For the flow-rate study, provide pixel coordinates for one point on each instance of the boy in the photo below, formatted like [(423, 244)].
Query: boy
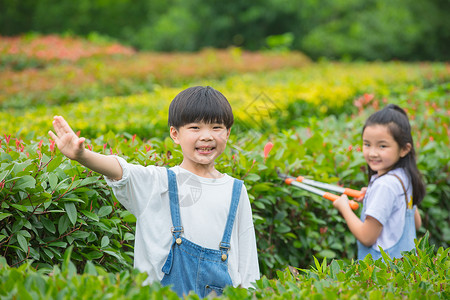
[(194, 227)]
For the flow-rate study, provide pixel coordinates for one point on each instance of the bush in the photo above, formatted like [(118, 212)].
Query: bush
[(420, 274)]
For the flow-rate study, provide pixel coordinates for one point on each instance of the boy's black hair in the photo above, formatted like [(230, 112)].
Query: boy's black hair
[(397, 122), (200, 104)]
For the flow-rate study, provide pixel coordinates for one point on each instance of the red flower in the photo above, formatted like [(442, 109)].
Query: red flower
[(267, 149), (18, 144), (368, 97), (52, 145)]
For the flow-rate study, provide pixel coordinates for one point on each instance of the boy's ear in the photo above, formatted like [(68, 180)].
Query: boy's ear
[(405, 150), (174, 134)]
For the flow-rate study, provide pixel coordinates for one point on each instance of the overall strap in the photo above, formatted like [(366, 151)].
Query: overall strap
[(403, 186), (177, 229), (236, 194)]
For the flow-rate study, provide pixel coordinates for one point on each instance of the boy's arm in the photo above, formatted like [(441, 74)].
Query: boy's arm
[(366, 232), (73, 147)]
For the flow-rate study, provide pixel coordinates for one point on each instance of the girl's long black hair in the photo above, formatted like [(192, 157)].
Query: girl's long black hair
[(396, 120)]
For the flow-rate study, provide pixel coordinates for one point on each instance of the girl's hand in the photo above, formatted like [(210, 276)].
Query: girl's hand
[(67, 141), (341, 203), (360, 199)]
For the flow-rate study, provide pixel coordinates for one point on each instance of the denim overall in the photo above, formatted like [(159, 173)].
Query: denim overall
[(406, 241), (190, 267)]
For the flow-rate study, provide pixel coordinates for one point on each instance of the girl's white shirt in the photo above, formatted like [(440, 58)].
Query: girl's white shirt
[(204, 206), (385, 201)]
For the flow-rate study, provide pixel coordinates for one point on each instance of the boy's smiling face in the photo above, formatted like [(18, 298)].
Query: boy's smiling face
[(201, 143)]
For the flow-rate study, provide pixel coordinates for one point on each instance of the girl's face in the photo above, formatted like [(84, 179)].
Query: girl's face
[(380, 150)]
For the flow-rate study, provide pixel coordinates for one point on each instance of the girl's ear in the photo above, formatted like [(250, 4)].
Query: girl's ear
[(405, 150), (174, 134)]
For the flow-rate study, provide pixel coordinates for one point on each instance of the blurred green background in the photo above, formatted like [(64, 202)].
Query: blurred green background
[(331, 29)]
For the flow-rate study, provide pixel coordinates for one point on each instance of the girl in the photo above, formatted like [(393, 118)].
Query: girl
[(389, 218)]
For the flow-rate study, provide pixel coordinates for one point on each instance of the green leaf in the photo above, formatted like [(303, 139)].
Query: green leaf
[(66, 258), (24, 182), (282, 228), (4, 174), (128, 236), (90, 215), (252, 177), (54, 163), (327, 254), (68, 199), (48, 253), (94, 255), (63, 224), (52, 180), (104, 242), (80, 234), (261, 187), (128, 217), (385, 256), (88, 180), (22, 243), (71, 212), (4, 215), (104, 211), (58, 244), (90, 269)]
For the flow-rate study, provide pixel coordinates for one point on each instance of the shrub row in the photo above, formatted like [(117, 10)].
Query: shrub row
[(37, 70), (283, 98), (418, 275)]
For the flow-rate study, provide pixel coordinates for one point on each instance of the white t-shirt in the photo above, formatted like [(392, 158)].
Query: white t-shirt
[(385, 202), (204, 207)]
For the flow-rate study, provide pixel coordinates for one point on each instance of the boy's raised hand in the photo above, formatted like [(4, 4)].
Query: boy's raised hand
[(66, 140)]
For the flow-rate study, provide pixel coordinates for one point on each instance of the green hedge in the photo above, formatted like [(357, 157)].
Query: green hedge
[(421, 274)]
